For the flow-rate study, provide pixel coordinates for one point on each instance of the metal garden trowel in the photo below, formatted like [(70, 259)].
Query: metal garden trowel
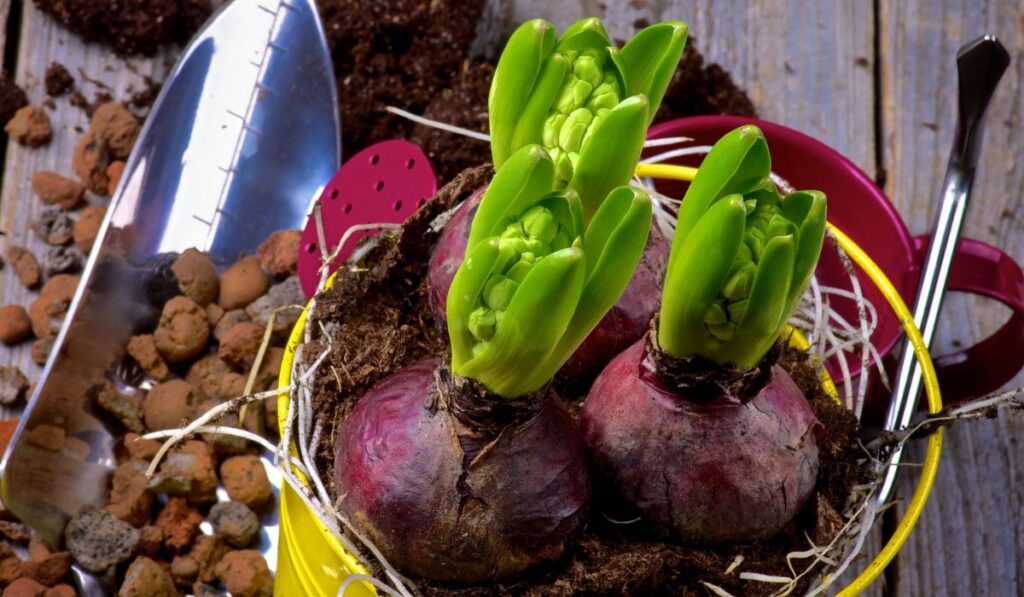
[(241, 139)]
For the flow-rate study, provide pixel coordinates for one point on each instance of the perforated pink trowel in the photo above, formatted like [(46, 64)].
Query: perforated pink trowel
[(384, 183)]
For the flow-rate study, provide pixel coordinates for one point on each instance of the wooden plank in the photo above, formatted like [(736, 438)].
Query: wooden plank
[(43, 41), (970, 539)]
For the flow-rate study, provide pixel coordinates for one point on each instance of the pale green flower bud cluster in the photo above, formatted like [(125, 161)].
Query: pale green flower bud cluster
[(742, 256), (532, 236), (764, 222), (587, 95), (584, 101)]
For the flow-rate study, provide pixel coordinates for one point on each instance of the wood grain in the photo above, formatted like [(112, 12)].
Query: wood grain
[(43, 41), (970, 540)]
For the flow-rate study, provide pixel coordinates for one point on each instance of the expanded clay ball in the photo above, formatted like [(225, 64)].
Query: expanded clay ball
[(25, 587), (227, 321), (15, 324), (111, 135), (143, 349), (279, 254), (146, 578), (193, 464), (48, 569), (245, 574), (151, 539), (183, 330), (55, 189), (130, 500), (169, 405), (207, 374), (246, 480), (242, 283), (123, 407), (207, 551), (235, 522), (47, 312), (184, 570), (239, 345), (87, 226), (114, 172), (30, 126), (41, 350), (25, 266), (139, 448), (197, 277), (179, 522)]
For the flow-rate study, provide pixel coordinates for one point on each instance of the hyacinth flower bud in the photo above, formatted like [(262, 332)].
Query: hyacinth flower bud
[(741, 257), (587, 103)]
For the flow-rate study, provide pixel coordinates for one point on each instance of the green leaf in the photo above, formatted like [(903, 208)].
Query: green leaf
[(651, 58), (511, 363), (811, 221), (610, 152), (528, 175), (566, 207), (738, 163), (619, 69), (766, 311), (614, 244), (530, 128), (695, 275), (463, 295), (585, 34), (621, 203), (514, 79)]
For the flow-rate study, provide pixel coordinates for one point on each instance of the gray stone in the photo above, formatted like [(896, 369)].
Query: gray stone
[(98, 540), (228, 321), (286, 293), (170, 483), (126, 409), (63, 260), (54, 226), (13, 385), (235, 523)]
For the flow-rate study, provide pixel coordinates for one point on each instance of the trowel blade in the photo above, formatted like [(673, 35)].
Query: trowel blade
[(242, 137)]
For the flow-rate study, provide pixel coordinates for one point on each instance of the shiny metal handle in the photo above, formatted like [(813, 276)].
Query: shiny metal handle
[(980, 65)]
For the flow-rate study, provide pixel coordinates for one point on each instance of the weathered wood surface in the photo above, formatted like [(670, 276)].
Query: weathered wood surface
[(970, 540), (41, 42), (809, 65)]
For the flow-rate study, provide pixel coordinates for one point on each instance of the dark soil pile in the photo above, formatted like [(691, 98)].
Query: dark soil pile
[(463, 104), (58, 80), (405, 53), (130, 26), (379, 321), (410, 54), (700, 88)]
